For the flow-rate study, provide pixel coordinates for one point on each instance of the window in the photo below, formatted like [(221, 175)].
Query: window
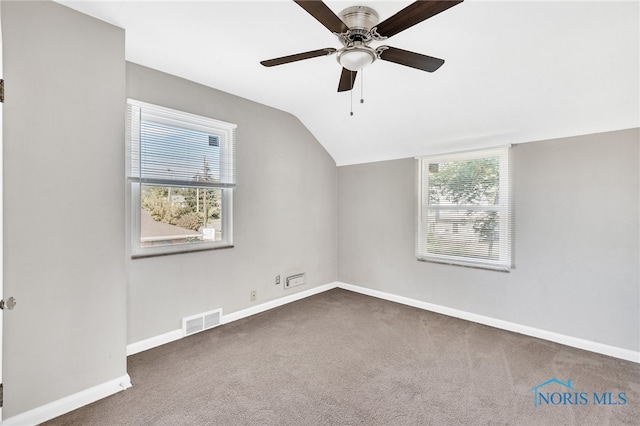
[(181, 173), (465, 209)]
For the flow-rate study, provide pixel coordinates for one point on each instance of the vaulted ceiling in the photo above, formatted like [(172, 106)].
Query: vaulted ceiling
[(514, 71)]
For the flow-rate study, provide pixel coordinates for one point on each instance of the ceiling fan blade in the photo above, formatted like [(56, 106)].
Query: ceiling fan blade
[(413, 14), (324, 15), (411, 59), (298, 57), (347, 79)]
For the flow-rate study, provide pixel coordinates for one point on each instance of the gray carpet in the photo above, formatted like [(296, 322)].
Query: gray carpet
[(341, 358)]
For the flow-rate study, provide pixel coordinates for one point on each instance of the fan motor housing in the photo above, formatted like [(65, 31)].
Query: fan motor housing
[(359, 18)]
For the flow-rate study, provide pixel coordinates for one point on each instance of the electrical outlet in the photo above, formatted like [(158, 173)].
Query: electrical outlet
[(277, 279), (253, 295)]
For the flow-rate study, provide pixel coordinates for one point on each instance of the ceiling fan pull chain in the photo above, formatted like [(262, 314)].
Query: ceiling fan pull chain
[(351, 94), (361, 85)]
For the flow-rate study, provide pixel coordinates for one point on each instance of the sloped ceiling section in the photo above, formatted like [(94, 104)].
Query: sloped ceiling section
[(514, 72)]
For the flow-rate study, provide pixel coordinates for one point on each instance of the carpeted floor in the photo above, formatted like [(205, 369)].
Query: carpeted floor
[(342, 358)]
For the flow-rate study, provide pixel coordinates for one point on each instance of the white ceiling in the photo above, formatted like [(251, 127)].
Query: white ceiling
[(514, 72)]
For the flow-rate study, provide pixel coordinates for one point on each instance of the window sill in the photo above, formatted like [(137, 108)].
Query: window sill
[(494, 268), (174, 252)]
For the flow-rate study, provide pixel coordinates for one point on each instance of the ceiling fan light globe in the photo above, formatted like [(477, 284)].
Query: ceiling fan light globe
[(356, 59)]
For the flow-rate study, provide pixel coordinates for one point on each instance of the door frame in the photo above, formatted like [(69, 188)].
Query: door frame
[(1, 215)]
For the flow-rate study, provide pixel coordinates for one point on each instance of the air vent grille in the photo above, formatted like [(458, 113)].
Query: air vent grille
[(193, 326), (211, 320), (201, 322)]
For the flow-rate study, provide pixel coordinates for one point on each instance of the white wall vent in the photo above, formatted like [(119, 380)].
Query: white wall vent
[(201, 322), (295, 279)]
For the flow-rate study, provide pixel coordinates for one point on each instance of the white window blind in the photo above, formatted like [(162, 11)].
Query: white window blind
[(173, 147), (465, 209)]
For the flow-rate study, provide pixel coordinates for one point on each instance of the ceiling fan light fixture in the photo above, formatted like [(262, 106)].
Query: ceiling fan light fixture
[(356, 58)]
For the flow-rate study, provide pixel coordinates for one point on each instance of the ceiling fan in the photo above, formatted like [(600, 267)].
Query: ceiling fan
[(357, 26)]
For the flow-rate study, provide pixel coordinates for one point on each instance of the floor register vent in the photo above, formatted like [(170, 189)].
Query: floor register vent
[(201, 322)]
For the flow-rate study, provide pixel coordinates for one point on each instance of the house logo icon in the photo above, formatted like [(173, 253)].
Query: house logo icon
[(561, 393), (537, 394)]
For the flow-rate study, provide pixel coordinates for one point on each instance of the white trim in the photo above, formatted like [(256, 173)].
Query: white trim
[(466, 154), (139, 112), (1, 209), (449, 149), (153, 342), (277, 302), (202, 121), (551, 336), (70, 403), (174, 335), (504, 209)]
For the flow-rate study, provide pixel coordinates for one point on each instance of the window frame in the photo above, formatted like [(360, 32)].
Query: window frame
[(505, 261), (225, 133)]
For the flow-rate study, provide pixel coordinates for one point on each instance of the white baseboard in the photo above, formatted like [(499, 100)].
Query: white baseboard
[(152, 342), (575, 342), (69, 403), (551, 336), (234, 316)]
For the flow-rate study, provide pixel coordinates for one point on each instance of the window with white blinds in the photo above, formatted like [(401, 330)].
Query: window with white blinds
[(181, 171), (465, 209)]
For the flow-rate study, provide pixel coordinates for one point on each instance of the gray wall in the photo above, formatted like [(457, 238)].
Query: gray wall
[(285, 214), (63, 203), (577, 240)]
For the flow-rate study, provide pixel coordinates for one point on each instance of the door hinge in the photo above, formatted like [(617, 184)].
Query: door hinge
[(1, 395), (1, 94)]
